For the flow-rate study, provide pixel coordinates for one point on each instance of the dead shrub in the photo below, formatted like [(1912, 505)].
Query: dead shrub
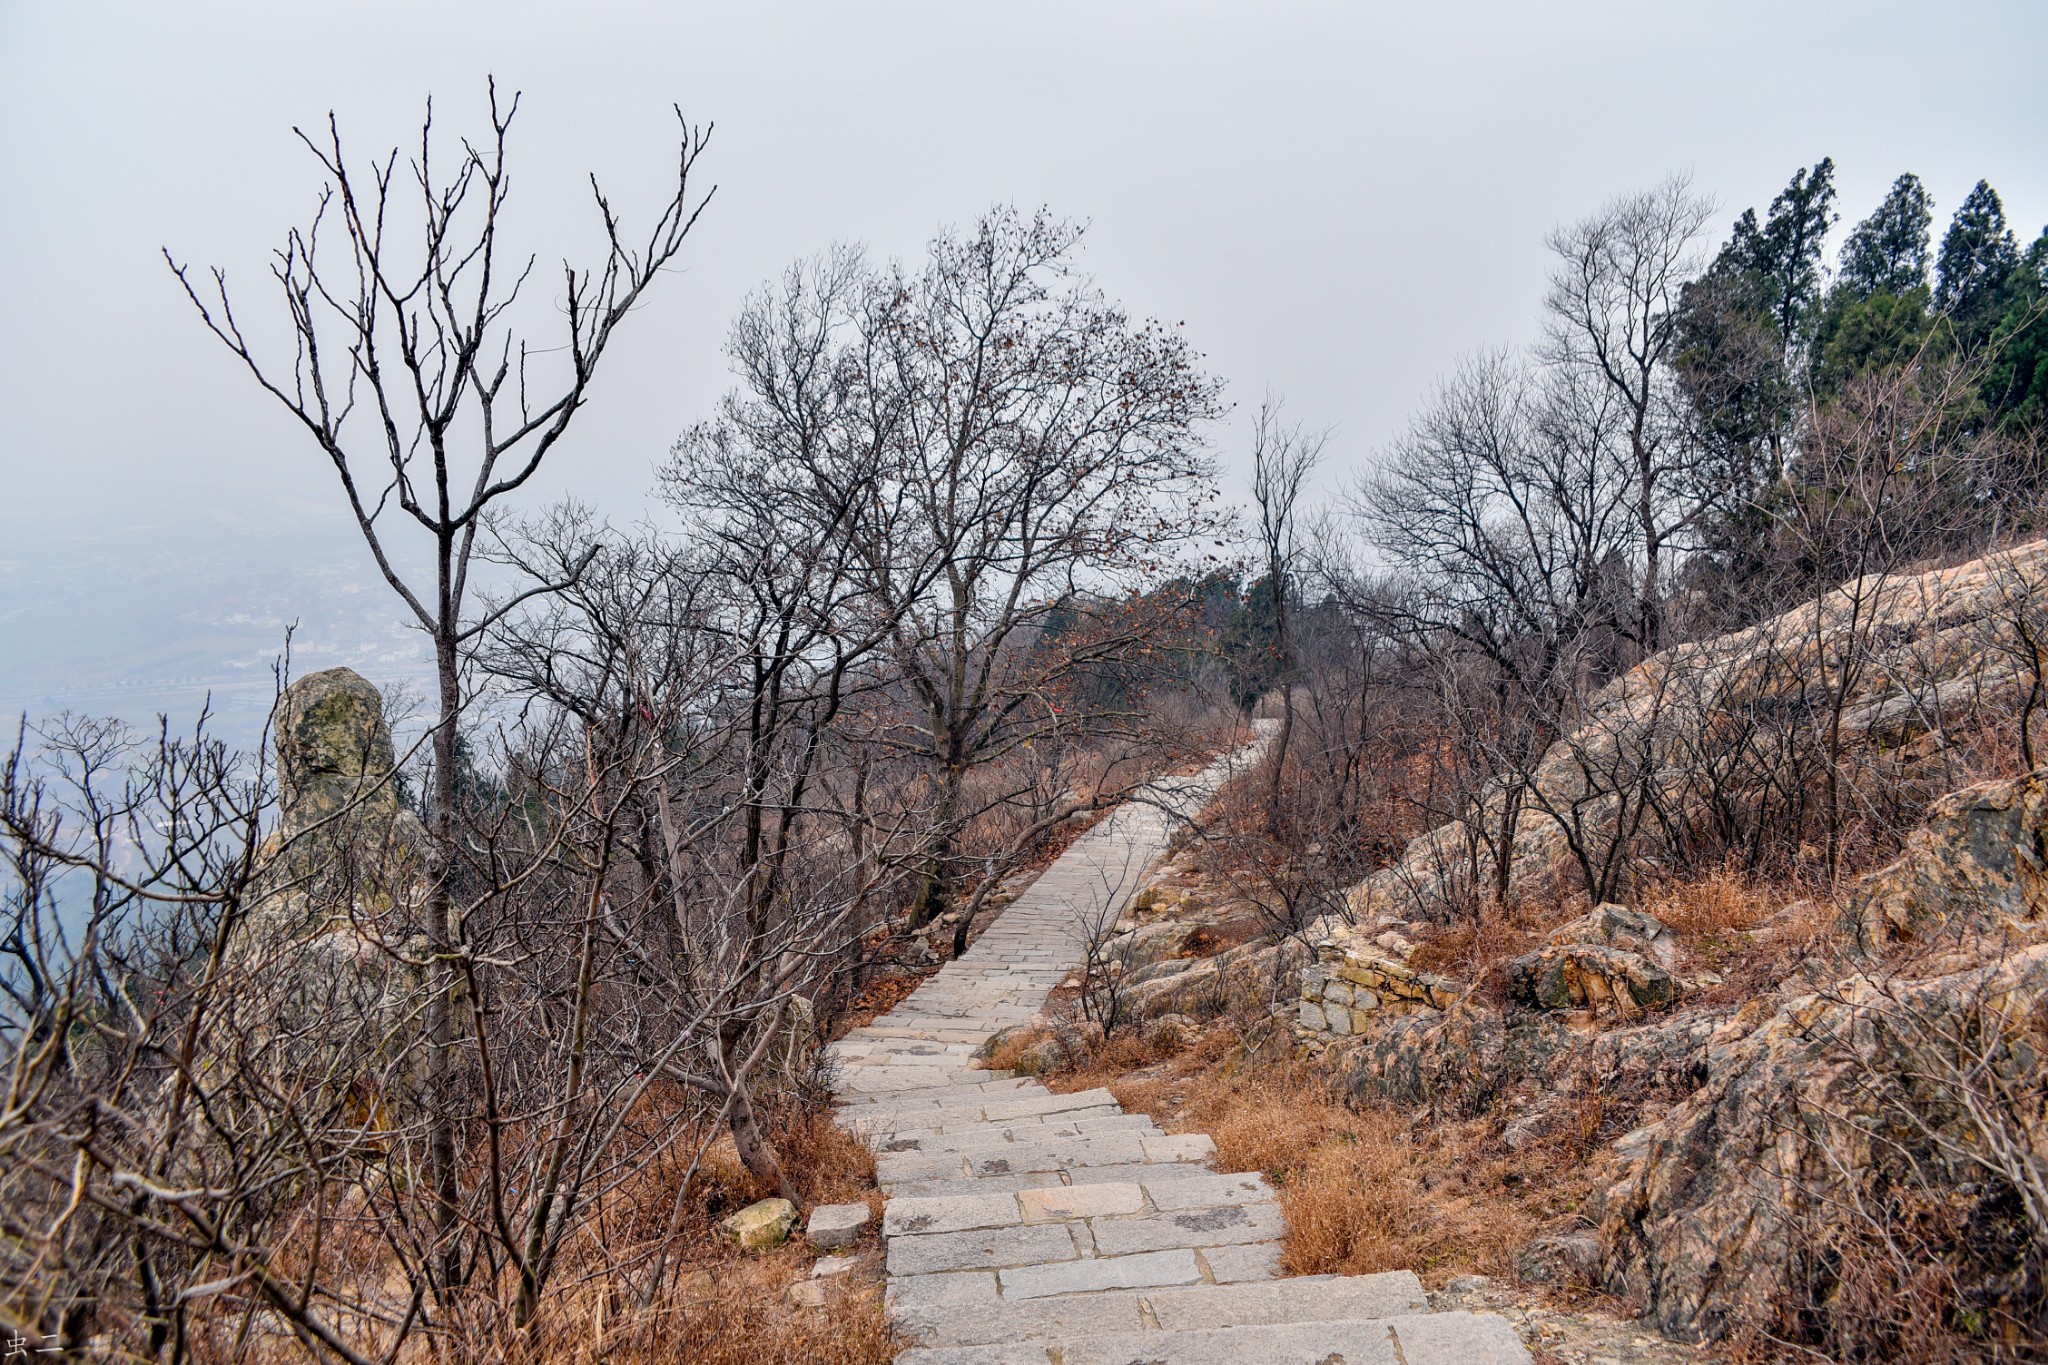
[(1469, 949)]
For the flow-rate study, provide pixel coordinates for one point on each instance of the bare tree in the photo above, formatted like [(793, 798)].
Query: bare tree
[(1510, 525), (1614, 317), (1003, 455), (411, 378), (1284, 456)]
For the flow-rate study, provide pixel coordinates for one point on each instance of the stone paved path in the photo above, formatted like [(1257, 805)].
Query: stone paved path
[(1028, 1228)]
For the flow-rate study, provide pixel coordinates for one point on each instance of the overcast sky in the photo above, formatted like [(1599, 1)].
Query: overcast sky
[(1337, 200)]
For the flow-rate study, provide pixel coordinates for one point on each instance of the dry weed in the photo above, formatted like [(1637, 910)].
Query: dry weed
[(1469, 950), (1362, 1191)]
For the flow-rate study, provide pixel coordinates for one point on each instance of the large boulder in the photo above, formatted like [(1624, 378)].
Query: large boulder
[(761, 1225), (1615, 962), (333, 747), (1243, 979), (1979, 861), (348, 875), (1875, 1099), (1444, 1063)]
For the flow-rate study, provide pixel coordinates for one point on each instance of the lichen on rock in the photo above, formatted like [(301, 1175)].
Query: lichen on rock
[(333, 747), (1978, 859)]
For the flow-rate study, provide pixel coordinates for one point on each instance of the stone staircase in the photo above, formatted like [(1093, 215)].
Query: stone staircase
[(1028, 1228)]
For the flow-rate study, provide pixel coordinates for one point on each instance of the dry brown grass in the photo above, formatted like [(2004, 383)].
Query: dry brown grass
[(1363, 1191), (733, 1311), (1469, 950), (726, 1306), (1722, 903), (718, 1305)]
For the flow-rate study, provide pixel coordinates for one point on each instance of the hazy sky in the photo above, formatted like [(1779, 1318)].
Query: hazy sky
[(1338, 200)]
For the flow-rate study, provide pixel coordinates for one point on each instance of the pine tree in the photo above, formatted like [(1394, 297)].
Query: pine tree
[(2016, 385), (1887, 252), (1741, 323), (1979, 257), (1782, 255)]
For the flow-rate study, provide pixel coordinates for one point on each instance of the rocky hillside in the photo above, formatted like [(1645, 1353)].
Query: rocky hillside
[(1820, 1121), (1711, 742)]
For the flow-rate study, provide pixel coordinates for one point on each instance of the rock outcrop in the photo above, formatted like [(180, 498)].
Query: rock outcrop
[(1615, 962), (338, 926), (333, 748), (1842, 1111), (1912, 1089), (1979, 859)]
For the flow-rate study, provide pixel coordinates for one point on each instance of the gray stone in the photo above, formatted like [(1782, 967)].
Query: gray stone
[(836, 1225), (1014, 1353), (1113, 1272), (1205, 1190), (959, 1213), (1237, 1264), (1081, 1201), (980, 1249), (1310, 1298), (1225, 1226), (1100, 1150), (1307, 1343), (968, 1184), (1067, 1315), (1180, 1147), (1143, 1172), (970, 1288), (1458, 1339)]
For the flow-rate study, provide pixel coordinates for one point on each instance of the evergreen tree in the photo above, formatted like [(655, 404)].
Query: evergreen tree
[(2016, 385), (1782, 255), (1739, 325), (1979, 257), (1249, 642), (1871, 332), (1887, 252)]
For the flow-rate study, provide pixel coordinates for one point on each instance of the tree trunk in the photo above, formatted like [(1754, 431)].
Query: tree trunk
[(937, 887), (1280, 760), (441, 977), (756, 1152)]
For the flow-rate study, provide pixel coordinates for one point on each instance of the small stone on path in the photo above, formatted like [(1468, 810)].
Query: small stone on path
[(836, 1225)]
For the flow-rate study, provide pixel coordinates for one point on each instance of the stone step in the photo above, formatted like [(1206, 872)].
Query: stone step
[(1033, 1259), (1408, 1339), (878, 1135), (1147, 1173), (1034, 1132), (958, 1057), (886, 1083), (996, 1109), (936, 1320), (1190, 1197), (947, 1095), (1105, 1149)]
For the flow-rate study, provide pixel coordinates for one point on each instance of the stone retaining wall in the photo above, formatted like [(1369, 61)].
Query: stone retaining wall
[(1351, 984)]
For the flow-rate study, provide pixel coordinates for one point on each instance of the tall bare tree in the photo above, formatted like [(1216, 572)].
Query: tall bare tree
[(1023, 454), (1614, 306), (1284, 456), (409, 372)]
